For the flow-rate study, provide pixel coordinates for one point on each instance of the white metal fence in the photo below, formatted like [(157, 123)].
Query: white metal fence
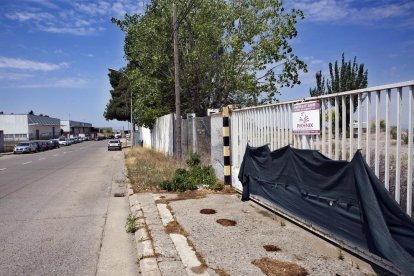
[(379, 123)]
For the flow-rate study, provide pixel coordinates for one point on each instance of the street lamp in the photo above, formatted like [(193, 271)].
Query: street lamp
[(130, 96)]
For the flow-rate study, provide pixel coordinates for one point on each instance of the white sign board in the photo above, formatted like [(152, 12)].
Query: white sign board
[(305, 118)]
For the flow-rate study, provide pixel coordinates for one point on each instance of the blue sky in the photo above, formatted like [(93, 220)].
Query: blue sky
[(54, 54)]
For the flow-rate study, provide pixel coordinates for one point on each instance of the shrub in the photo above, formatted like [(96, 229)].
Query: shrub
[(197, 174), (393, 132), (131, 224)]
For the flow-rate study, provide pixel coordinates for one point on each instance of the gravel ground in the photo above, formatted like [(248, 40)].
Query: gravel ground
[(233, 248)]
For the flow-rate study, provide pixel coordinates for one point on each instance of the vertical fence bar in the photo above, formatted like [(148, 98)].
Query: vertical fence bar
[(274, 124), (323, 126), (387, 139), (351, 126), (398, 153), (410, 150), (377, 130), (336, 128), (343, 128), (286, 125), (359, 121), (290, 125), (368, 133), (329, 129), (279, 131)]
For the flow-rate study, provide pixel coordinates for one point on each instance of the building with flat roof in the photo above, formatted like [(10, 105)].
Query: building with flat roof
[(20, 127), (75, 128)]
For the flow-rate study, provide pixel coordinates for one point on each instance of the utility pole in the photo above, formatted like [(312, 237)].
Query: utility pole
[(177, 87)]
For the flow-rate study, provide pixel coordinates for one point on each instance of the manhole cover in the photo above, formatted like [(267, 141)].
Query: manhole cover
[(226, 222), (208, 211)]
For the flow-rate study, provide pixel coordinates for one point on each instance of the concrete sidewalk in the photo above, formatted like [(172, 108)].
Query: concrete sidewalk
[(199, 245)]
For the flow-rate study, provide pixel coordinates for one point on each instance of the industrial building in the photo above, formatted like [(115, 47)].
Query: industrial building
[(20, 127), (74, 128)]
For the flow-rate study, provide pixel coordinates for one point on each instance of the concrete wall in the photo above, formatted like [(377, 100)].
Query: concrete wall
[(1, 141), (45, 132), (216, 123), (195, 138), (146, 137), (162, 135), (14, 124)]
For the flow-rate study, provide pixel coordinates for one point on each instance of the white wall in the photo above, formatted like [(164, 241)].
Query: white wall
[(217, 158), (14, 124), (162, 135), (146, 137), (45, 132)]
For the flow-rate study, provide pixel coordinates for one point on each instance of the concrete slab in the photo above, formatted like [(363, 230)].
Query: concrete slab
[(165, 214), (187, 254)]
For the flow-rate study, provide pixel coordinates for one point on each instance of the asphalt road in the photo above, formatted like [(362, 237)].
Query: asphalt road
[(53, 209)]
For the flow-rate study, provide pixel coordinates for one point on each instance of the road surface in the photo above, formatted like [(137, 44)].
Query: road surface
[(54, 208)]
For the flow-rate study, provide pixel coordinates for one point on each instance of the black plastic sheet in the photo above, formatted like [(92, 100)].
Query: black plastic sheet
[(346, 199)]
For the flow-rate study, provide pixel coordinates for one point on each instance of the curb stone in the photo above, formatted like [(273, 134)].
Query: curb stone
[(145, 251)]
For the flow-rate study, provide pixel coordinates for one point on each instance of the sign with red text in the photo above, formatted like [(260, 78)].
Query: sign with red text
[(306, 118)]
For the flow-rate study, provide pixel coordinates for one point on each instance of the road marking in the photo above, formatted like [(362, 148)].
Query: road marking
[(27, 163), (41, 159), (2, 169)]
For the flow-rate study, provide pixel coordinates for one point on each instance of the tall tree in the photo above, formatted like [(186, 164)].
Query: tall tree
[(118, 107), (349, 76), (231, 52)]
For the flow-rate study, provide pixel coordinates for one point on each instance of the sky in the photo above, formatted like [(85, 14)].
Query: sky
[(55, 54)]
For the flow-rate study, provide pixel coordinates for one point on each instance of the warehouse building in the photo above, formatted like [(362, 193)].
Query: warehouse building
[(74, 128), (20, 127)]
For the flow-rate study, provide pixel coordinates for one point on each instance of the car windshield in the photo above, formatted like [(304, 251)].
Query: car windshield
[(113, 141), (62, 139), (23, 144)]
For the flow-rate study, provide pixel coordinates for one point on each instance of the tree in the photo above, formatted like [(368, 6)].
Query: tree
[(118, 107), (231, 52), (350, 76), (30, 112)]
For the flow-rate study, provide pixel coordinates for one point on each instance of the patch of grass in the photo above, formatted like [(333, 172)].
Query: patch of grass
[(146, 168), (341, 252), (131, 224), (174, 228), (271, 267), (191, 178)]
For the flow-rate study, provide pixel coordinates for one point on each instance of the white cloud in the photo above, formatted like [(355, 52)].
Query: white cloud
[(57, 83), (14, 76), (25, 64), (353, 11), (30, 16), (70, 30)]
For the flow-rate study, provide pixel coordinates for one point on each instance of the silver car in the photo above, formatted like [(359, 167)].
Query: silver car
[(24, 147)]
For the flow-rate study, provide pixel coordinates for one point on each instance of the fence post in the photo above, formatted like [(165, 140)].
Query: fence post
[(226, 145)]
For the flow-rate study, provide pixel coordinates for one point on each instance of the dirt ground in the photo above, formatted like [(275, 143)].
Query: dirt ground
[(257, 242)]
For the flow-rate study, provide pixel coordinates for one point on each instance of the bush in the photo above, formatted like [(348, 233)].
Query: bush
[(197, 174), (393, 132)]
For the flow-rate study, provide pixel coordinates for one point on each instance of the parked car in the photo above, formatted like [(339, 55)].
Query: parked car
[(43, 145), (114, 144), (53, 144), (25, 147), (37, 145), (63, 141)]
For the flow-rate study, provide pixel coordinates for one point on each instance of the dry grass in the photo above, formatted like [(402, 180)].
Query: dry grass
[(272, 267), (147, 169), (174, 228)]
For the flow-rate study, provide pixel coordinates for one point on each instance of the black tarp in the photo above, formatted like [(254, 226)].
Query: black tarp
[(346, 199)]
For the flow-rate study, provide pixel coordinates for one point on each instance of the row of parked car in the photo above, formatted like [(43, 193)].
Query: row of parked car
[(42, 145)]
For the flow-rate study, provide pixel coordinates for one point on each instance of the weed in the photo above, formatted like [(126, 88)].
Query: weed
[(131, 224), (341, 252), (282, 223)]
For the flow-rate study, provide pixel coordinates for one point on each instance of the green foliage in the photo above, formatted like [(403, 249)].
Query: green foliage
[(197, 174), (193, 160), (349, 76), (131, 224), (393, 132), (382, 125), (231, 52), (118, 107)]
